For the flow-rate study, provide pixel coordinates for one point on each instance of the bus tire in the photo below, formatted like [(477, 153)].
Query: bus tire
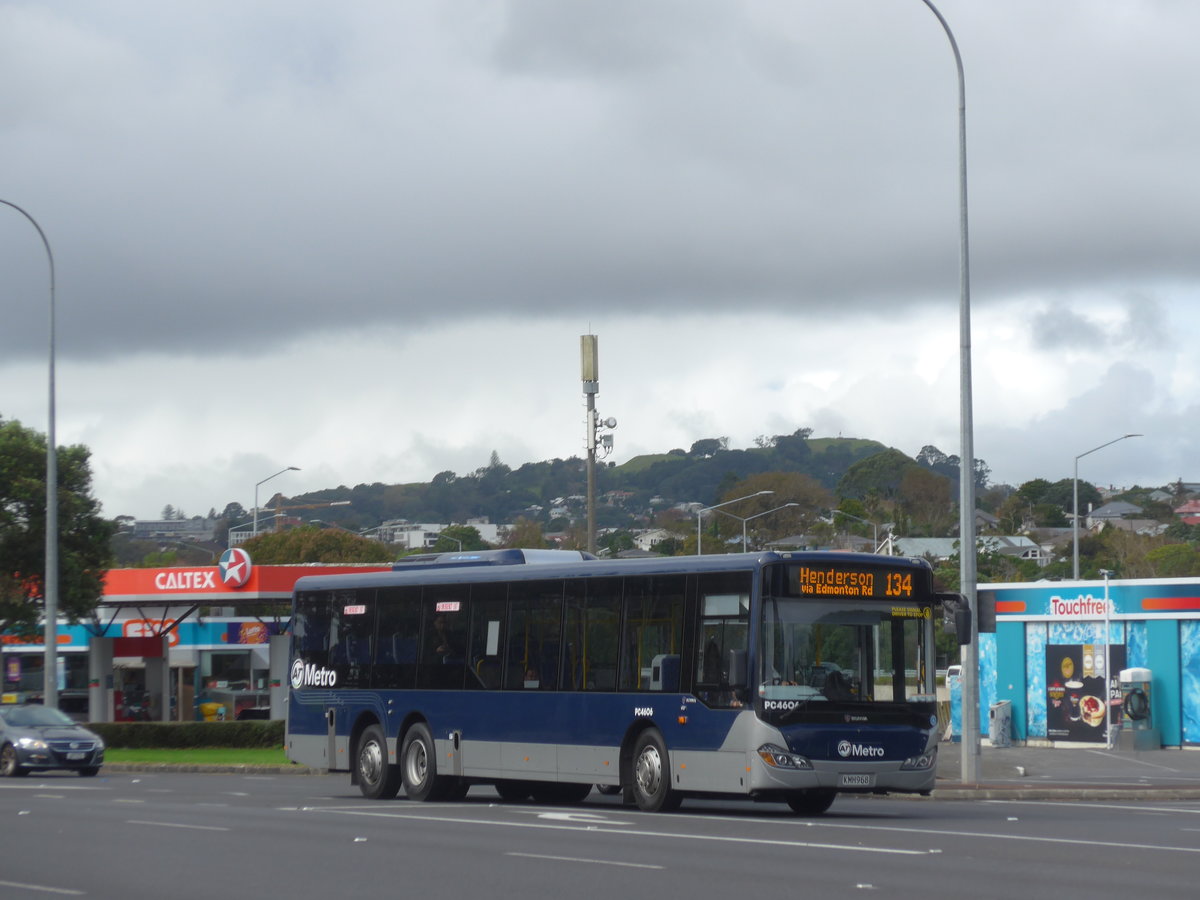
[(418, 761), (376, 778), (609, 790), (811, 803), (652, 789)]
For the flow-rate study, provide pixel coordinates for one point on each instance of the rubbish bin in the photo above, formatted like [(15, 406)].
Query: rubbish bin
[(1000, 723)]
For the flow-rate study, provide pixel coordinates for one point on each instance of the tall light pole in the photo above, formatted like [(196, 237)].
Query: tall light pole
[(50, 579), (264, 481), (1075, 503), (745, 519), (842, 512), (966, 517), (700, 512), (450, 537), (1108, 729)]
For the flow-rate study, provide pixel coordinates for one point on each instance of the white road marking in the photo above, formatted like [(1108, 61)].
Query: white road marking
[(762, 842), (44, 888), (178, 825), (586, 818), (580, 859)]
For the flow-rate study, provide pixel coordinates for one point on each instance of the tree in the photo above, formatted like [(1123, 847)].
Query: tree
[(525, 534), (925, 498), (310, 544), (787, 487), (459, 537), (83, 542), (881, 473), (709, 447)]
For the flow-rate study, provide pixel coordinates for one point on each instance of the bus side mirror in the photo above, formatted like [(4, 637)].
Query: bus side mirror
[(736, 676), (958, 616)]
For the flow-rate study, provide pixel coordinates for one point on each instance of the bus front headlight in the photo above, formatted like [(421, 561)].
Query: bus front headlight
[(915, 763), (778, 758)]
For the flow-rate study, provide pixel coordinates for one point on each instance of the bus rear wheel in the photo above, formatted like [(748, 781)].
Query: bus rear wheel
[(376, 778), (652, 774), (811, 803), (419, 765)]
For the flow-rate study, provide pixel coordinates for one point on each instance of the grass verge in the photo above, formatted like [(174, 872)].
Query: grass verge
[(199, 756)]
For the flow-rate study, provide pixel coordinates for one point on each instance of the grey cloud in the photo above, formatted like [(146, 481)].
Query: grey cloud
[(236, 182)]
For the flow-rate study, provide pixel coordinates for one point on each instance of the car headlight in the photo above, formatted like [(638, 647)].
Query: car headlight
[(28, 743), (924, 761), (99, 743), (778, 758)]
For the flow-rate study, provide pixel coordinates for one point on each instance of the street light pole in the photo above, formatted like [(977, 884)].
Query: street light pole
[(842, 512), (1075, 503), (746, 519), (700, 512), (966, 518), (264, 481), (50, 579), (450, 537), (1108, 729)]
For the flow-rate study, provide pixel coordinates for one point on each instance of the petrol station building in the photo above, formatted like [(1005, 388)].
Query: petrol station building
[(1058, 651), (173, 644)]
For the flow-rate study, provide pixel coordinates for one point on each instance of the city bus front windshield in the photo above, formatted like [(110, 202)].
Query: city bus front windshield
[(837, 651)]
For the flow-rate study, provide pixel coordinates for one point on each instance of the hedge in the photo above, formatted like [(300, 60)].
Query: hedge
[(180, 735)]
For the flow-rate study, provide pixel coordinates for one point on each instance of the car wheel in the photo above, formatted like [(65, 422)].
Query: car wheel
[(9, 767), (89, 771)]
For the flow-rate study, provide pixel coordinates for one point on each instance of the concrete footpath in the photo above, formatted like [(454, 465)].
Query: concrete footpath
[(1070, 773)]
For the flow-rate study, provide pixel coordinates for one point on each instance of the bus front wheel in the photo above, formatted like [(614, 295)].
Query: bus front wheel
[(419, 764), (811, 803), (652, 774), (376, 779)]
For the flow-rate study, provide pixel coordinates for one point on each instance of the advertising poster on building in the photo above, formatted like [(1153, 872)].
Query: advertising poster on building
[(1080, 694)]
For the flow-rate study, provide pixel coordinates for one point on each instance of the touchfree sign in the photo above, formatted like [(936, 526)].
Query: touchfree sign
[(1079, 607)]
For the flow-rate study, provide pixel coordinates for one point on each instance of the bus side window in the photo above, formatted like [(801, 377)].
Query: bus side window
[(593, 635), (724, 626), (534, 641), (444, 641), (653, 627), (489, 607), (399, 631)]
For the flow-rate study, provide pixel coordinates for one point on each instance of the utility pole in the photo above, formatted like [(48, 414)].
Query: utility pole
[(590, 368)]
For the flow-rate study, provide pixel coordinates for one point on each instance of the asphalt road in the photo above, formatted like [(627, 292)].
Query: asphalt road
[(185, 835)]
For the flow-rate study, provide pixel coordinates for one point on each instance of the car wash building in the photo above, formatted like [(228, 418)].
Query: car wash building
[(172, 644), (1068, 661)]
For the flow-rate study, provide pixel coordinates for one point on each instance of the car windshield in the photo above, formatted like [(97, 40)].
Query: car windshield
[(26, 716)]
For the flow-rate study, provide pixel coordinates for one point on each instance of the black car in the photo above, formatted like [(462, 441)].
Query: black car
[(40, 737)]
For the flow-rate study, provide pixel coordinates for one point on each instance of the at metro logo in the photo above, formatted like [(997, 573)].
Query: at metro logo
[(193, 580)]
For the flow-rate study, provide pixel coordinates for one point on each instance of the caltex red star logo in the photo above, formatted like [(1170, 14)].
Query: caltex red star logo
[(235, 567)]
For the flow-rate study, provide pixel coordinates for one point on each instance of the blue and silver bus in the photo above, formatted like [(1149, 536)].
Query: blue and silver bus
[(777, 676)]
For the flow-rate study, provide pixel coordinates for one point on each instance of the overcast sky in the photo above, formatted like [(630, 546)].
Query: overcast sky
[(364, 238)]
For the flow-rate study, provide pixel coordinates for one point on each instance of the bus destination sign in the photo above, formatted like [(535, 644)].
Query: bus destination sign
[(848, 580)]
